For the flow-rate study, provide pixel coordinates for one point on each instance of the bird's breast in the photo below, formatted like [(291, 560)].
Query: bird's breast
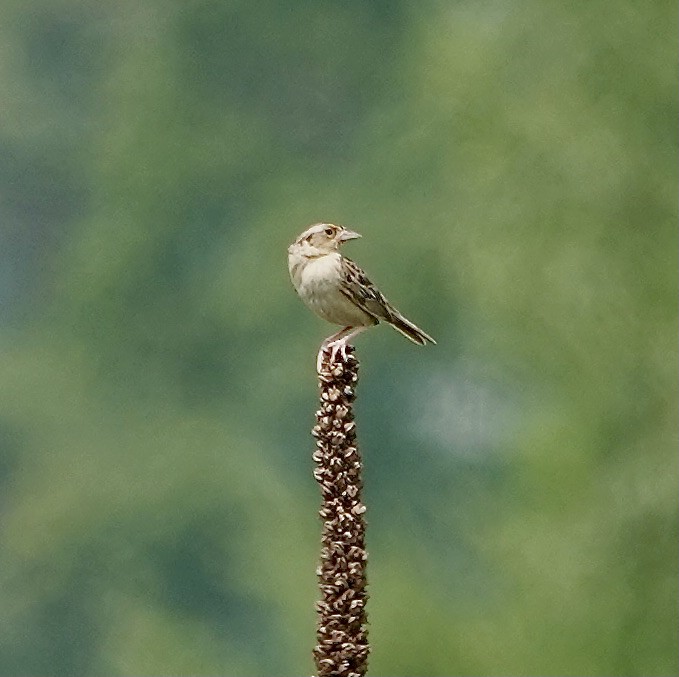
[(322, 273), (318, 282)]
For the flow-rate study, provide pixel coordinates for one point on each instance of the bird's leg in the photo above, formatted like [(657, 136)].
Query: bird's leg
[(335, 337), (339, 344), (328, 342)]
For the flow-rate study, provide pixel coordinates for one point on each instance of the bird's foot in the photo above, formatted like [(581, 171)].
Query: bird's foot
[(332, 348), (331, 342), (338, 347), (337, 343), (319, 360)]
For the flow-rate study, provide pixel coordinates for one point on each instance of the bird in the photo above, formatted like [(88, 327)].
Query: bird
[(338, 290)]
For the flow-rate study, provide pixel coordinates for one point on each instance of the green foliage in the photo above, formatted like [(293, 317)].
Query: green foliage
[(513, 171)]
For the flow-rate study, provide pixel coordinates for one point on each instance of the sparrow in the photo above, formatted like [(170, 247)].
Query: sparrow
[(337, 290)]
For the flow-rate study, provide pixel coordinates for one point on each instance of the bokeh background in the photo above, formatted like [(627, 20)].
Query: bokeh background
[(512, 168)]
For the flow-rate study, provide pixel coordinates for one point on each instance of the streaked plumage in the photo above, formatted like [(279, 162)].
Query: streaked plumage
[(337, 290)]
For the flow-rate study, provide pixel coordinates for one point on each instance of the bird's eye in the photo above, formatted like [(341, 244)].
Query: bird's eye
[(329, 232)]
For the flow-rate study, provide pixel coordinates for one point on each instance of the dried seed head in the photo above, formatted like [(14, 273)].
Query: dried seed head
[(342, 645)]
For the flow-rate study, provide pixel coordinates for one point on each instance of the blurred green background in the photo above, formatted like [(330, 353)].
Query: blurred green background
[(512, 168)]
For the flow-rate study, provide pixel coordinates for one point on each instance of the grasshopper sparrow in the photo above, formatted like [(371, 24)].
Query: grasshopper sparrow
[(337, 290)]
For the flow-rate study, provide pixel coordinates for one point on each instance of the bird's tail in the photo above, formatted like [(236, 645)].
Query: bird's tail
[(408, 329)]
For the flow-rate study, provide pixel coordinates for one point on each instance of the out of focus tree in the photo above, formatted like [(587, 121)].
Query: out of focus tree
[(512, 168)]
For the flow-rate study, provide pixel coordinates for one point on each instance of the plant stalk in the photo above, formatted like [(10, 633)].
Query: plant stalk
[(342, 644)]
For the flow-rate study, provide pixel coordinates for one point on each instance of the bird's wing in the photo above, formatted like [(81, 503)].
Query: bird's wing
[(356, 286)]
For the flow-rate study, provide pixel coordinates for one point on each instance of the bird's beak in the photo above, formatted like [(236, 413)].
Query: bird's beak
[(346, 235)]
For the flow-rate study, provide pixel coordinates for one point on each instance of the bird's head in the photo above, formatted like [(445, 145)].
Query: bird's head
[(321, 239)]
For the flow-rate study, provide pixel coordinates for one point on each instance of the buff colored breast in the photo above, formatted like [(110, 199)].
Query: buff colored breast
[(318, 281)]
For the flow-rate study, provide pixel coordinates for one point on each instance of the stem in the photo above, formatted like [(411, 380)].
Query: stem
[(342, 645)]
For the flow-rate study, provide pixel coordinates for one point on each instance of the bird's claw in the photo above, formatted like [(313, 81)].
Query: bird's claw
[(338, 346)]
